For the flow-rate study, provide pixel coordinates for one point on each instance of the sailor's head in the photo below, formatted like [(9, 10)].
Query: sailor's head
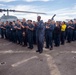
[(38, 18), (29, 21), (23, 20), (49, 21)]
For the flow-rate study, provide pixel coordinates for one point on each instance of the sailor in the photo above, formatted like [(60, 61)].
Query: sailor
[(24, 32), (40, 30), (70, 28), (19, 32), (49, 35), (30, 28), (34, 33), (14, 32), (57, 32), (63, 31), (75, 30), (7, 30), (2, 29)]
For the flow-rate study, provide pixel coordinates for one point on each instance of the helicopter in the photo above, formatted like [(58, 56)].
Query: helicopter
[(8, 17), (14, 18)]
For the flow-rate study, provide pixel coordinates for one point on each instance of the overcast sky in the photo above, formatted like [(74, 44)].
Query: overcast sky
[(64, 9)]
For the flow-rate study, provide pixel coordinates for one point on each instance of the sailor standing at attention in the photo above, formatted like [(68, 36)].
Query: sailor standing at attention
[(40, 34)]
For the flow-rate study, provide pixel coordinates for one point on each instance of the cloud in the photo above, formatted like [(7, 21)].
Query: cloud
[(25, 8), (22, 7), (64, 13), (32, 8), (1, 5), (37, 0), (7, 0), (61, 14), (25, 0)]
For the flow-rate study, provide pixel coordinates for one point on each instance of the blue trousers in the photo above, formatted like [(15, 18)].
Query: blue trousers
[(75, 35), (49, 40), (57, 39), (30, 40), (69, 36), (62, 37), (19, 36), (40, 42)]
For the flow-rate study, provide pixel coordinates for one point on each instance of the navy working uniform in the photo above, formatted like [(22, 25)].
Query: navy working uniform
[(57, 32), (11, 32), (30, 35), (70, 28), (40, 35), (34, 35), (2, 30), (75, 32), (14, 33), (24, 34), (8, 31), (49, 36), (19, 34)]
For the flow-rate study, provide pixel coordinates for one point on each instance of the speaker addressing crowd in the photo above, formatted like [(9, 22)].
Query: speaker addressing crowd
[(27, 33)]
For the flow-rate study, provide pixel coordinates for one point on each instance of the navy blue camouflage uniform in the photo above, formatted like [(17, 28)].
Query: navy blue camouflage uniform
[(24, 34), (49, 36), (40, 30), (19, 34), (70, 32), (30, 35)]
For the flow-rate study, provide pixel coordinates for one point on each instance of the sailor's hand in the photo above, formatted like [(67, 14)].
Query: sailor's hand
[(11, 28), (23, 26), (47, 27), (27, 27), (15, 26)]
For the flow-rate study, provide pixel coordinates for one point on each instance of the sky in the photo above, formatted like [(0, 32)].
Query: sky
[(64, 9)]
